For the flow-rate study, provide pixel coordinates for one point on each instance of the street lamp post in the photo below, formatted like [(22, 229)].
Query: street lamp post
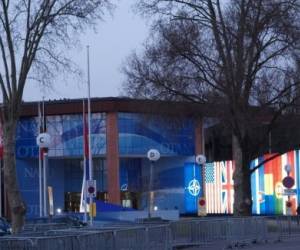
[(201, 160), (288, 182), (43, 141), (153, 155)]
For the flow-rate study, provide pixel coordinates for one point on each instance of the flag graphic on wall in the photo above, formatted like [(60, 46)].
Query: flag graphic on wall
[(266, 185), (227, 186), (193, 189), (219, 187)]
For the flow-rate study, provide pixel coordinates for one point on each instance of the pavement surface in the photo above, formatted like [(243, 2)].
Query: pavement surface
[(291, 243)]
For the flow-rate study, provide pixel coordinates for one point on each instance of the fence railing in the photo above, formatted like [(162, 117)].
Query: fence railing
[(163, 236), (283, 226)]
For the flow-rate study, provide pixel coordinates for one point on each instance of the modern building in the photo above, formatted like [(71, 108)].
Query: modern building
[(122, 131)]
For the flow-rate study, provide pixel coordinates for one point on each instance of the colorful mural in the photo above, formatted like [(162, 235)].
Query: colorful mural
[(266, 182), (267, 189)]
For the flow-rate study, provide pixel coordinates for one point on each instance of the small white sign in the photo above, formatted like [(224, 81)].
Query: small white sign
[(200, 159), (91, 190), (153, 155), (43, 140), (202, 206), (289, 192)]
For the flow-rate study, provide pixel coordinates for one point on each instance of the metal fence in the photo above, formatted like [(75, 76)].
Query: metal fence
[(283, 226), (232, 231), (164, 236)]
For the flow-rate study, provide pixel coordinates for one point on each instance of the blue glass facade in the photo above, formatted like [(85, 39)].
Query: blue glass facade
[(66, 142), (66, 136), (138, 133), (175, 174), (170, 135), (175, 140), (130, 174)]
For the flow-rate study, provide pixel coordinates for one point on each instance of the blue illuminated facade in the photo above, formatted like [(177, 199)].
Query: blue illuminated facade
[(170, 135), (122, 132), (174, 137)]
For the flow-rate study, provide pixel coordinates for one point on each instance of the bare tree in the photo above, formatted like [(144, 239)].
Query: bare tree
[(237, 54), (31, 35)]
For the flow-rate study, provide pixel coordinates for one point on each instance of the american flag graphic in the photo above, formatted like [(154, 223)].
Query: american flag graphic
[(213, 188)]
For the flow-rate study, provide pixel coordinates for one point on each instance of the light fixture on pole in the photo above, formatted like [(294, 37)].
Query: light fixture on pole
[(288, 169), (201, 160), (153, 155), (43, 140)]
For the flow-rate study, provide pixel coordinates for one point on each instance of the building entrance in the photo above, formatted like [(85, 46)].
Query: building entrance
[(73, 199), (129, 199)]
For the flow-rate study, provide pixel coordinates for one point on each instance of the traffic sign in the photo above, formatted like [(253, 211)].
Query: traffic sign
[(202, 202), (289, 191), (201, 206), (288, 182), (91, 190), (288, 204)]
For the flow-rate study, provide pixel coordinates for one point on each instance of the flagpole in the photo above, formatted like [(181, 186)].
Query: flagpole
[(45, 163), (84, 164), (89, 128), (40, 164)]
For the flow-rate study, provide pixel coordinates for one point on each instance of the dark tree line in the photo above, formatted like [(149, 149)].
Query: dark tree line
[(240, 55)]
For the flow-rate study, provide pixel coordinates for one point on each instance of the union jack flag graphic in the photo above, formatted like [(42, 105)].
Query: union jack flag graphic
[(227, 186)]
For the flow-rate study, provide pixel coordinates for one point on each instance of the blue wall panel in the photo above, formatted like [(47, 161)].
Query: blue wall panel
[(56, 180), (171, 178), (27, 172), (192, 187), (138, 133), (130, 174), (66, 136)]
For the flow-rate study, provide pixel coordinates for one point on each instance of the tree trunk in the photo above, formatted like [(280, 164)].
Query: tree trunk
[(16, 204), (242, 180)]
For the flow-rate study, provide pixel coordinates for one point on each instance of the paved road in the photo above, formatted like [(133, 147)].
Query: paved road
[(292, 243)]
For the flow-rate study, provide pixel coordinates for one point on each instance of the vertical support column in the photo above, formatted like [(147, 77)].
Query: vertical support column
[(199, 137), (112, 157)]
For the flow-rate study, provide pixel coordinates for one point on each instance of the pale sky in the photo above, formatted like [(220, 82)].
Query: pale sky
[(115, 39)]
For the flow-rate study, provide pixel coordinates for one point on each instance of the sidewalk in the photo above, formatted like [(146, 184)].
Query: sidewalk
[(292, 243)]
